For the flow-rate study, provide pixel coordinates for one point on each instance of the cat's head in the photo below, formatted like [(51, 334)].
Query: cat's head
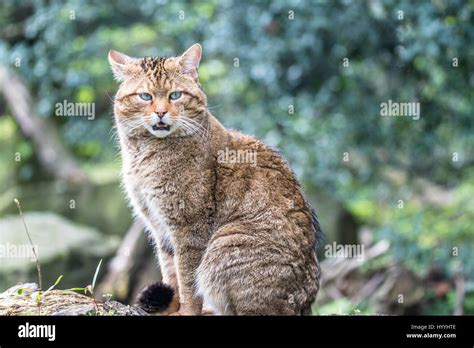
[(159, 96)]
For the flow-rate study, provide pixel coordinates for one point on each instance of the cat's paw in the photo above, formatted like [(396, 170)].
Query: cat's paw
[(183, 311), (179, 313), (207, 311)]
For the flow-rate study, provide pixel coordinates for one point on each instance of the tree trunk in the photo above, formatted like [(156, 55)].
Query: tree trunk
[(50, 152), (133, 267)]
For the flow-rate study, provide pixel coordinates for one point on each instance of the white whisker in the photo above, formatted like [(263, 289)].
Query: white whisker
[(191, 127), (188, 130), (213, 107), (198, 126)]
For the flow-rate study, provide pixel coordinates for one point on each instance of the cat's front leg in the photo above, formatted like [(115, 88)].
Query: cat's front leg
[(188, 254), (168, 272)]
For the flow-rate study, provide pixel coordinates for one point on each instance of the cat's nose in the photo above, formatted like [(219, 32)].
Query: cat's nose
[(161, 113)]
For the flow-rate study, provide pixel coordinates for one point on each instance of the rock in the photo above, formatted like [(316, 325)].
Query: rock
[(62, 247), (102, 205), (85, 309), (117, 308), (14, 289)]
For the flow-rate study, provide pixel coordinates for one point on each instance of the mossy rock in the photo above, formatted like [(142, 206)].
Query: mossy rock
[(63, 247), (24, 299)]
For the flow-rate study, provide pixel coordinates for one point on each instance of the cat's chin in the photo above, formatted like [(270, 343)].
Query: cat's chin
[(161, 133)]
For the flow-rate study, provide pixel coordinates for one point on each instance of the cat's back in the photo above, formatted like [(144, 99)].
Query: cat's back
[(261, 257), (256, 181)]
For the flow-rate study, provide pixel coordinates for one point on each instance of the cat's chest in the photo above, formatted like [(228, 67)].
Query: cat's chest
[(167, 190)]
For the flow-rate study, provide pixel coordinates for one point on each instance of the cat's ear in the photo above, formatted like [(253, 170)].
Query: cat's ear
[(121, 65), (189, 60)]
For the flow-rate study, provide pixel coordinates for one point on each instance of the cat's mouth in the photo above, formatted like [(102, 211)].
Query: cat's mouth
[(161, 126)]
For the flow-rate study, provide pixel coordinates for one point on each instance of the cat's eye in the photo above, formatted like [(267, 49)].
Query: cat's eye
[(175, 95), (145, 96)]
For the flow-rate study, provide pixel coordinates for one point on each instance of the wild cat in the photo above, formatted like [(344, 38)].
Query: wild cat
[(238, 235)]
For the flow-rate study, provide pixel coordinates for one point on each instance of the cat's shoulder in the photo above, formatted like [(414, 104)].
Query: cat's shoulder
[(251, 142), (239, 138)]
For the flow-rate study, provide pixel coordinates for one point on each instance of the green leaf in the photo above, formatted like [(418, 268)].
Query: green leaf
[(54, 285), (24, 291), (95, 276), (76, 289)]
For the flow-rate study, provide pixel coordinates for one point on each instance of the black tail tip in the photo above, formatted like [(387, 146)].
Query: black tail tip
[(155, 297)]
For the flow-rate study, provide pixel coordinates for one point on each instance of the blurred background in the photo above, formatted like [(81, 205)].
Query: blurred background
[(307, 77)]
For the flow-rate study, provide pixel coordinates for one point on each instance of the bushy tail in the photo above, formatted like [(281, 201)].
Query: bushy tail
[(155, 297)]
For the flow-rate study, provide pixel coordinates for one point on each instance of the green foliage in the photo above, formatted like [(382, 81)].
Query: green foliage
[(94, 280), (259, 62), (89, 288), (442, 306), (342, 306), (440, 235), (469, 303), (282, 62), (55, 284)]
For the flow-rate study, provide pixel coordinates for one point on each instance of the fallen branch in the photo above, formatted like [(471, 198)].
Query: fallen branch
[(122, 269)]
